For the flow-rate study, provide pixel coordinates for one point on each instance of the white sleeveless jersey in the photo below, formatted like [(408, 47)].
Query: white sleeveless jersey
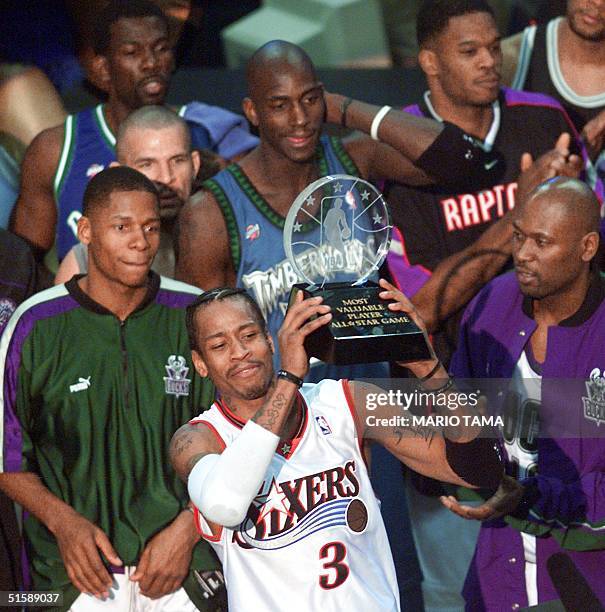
[(313, 539)]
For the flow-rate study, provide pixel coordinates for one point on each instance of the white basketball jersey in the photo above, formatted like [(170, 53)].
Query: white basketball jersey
[(313, 539)]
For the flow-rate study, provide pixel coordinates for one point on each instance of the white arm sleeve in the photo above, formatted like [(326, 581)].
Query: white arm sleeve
[(223, 486)]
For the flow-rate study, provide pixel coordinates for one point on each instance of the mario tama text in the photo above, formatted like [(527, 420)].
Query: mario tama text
[(419, 408)]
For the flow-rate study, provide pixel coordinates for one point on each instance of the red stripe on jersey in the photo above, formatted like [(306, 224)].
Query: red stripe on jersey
[(351, 405), (228, 414), (198, 525), (212, 428), (298, 436)]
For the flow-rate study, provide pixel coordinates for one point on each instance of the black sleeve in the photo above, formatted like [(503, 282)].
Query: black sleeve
[(459, 161)]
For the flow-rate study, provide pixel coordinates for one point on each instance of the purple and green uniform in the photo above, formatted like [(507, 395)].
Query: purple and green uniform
[(89, 146), (89, 404), (567, 509)]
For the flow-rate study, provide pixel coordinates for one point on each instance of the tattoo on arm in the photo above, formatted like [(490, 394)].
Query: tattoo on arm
[(269, 414), (180, 443), (415, 431)]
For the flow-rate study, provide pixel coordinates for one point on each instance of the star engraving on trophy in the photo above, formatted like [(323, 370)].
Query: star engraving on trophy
[(337, 187), (310, 201), (377, 219), (365, 195), (297, 227)]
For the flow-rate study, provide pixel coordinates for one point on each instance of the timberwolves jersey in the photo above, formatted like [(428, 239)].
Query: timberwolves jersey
[(89, 146), (313, 539), (255, 232)]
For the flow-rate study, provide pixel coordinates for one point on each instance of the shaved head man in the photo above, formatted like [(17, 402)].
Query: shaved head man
[(155, 141), (535, 326), (554, 240)]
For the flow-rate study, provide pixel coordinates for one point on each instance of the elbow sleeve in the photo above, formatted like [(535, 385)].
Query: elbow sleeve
[(223, 486)]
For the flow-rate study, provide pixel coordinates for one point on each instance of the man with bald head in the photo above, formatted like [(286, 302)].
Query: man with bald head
[(542, 322), (157, 142), (231, 233)]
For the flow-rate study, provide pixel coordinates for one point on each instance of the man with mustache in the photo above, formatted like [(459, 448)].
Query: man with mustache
[(565, 59), (155, 141), (134, 63), (275, 468), (231, 233), (543, 322)]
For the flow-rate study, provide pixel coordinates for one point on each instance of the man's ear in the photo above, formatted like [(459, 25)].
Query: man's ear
[(199, 364), (271, 343), (590, 246), (99, 72), (429, 62), (250, 111), (84, 230), (195, 158)]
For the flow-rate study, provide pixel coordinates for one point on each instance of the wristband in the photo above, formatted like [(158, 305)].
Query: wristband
[(343, 111), (478, 462), (457, 160), (290, 378), (446, 387), (377, 121), (431, 373)]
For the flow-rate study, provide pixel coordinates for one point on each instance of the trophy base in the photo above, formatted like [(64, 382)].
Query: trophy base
[(362, 329)]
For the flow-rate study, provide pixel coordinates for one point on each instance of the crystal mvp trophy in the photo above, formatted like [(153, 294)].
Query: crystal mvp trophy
[(336, 236)]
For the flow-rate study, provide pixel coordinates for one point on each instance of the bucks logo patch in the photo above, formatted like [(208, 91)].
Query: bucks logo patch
[(177, 383), (594, 404)]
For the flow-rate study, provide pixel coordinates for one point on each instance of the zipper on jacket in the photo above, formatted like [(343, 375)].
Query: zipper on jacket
[(124, 362)]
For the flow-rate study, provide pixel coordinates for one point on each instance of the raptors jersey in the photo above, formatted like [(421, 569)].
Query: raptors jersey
[(313, 538)]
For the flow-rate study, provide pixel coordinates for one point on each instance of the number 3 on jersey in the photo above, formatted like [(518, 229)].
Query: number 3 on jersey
[(335, 553)]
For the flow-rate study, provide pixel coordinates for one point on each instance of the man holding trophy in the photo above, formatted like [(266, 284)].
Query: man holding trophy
[(276, 469), (231, 233)]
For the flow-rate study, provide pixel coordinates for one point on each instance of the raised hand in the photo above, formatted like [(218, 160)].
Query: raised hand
[(556, 162), (303, 318)]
